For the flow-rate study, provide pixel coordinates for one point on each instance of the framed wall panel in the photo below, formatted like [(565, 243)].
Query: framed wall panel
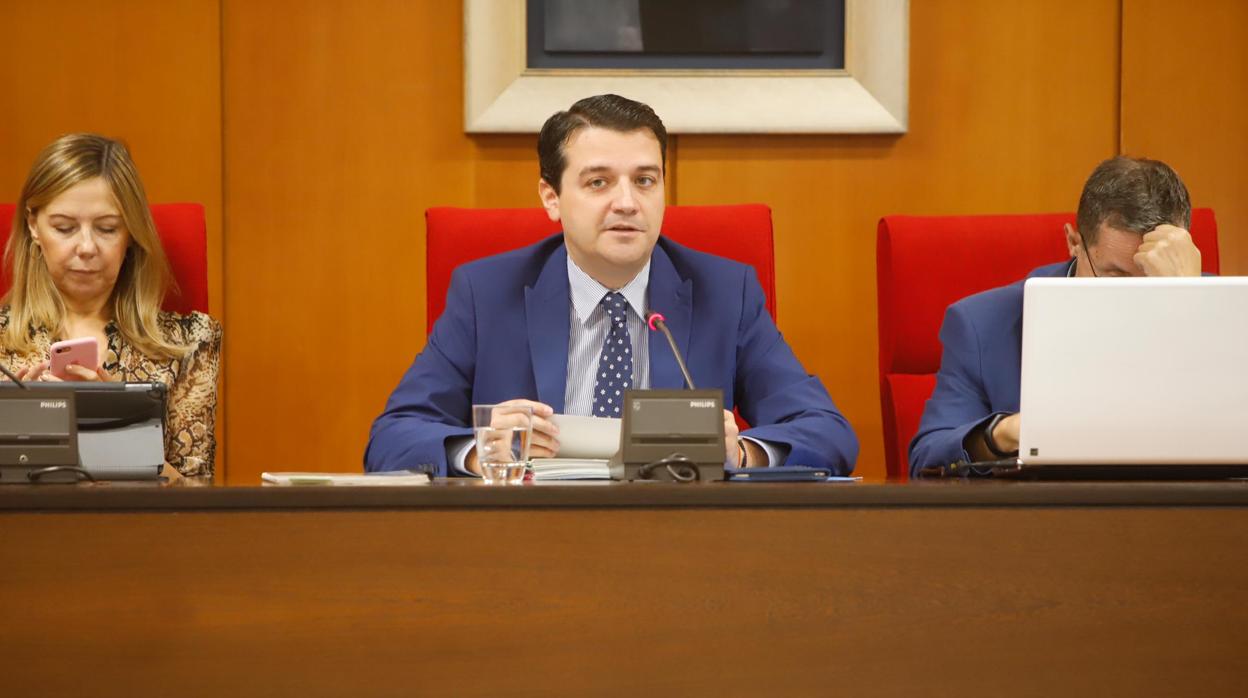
[(502, 94)]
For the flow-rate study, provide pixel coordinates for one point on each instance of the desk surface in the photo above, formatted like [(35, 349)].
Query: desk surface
[(456, 494), (940, 588)]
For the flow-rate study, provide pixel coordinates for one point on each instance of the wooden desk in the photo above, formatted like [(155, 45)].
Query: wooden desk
[(932, 589)]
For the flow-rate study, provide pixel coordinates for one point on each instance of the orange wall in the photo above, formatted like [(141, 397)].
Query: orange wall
[(337, 123), (341, 129), (1185, 101)]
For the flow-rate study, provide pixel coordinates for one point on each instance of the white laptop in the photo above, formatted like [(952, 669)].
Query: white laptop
[(1135, 372)]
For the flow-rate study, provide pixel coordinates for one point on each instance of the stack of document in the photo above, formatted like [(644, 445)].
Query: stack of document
[(388, 479), (586, 444), (570, 469)]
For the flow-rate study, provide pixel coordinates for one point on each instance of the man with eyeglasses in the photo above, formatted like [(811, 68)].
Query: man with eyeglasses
[(1132, 221)]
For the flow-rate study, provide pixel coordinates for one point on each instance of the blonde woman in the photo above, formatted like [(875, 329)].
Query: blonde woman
[(85, 261)]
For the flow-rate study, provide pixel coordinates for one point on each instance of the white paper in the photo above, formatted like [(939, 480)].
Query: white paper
[(587, 437), (347, 479), (570, 469)]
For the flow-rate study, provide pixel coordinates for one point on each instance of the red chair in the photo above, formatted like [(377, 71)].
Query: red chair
[(184, 237), (925, 263), (459, 235)]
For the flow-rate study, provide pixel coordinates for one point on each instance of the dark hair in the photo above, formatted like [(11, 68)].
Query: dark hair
[(604, 111), (1132, 194)]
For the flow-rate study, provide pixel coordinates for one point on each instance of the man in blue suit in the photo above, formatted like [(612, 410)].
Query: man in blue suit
[(1132, 221), (560, 326)]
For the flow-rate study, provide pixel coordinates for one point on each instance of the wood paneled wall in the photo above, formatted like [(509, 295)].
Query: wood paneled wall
[(320, 130), (1185, 101)]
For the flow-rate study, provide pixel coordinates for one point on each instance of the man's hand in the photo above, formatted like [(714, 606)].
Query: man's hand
[(1005, 436), (730, 439), (1168, 250), (544, 442), (755, 456)]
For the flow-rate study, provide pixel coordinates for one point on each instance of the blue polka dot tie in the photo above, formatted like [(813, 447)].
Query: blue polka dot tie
[(615, 366)]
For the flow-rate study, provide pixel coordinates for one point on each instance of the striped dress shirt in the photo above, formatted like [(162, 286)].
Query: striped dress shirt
[(590, 324)]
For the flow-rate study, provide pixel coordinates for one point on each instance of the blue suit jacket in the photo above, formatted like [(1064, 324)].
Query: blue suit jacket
[(504, 335), (980, 370)]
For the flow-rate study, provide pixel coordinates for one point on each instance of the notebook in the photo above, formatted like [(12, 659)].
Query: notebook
[(397, 478)]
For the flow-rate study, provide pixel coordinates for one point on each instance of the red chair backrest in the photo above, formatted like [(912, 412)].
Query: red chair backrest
[(184, 238), (459, 235), (925, 263)]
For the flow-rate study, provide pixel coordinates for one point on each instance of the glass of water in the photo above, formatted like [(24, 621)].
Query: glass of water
[(502, 433)]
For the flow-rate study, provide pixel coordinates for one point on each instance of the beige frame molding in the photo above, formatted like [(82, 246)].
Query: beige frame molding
[(870, 96)]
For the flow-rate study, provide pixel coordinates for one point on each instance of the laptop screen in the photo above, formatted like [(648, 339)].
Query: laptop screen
[(1134, 371)]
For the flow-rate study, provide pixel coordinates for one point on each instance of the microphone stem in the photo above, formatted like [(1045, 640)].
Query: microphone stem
[(5, 370), (684, 370)]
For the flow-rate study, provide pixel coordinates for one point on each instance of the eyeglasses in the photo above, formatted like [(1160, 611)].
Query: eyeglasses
[(1088, 254)]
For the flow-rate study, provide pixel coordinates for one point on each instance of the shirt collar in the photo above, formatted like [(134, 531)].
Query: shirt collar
[(587, 293)]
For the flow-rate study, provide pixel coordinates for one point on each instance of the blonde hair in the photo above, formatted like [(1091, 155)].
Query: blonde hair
[(34, 300)]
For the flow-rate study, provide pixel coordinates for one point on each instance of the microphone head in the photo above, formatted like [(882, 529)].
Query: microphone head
[(652, 318)]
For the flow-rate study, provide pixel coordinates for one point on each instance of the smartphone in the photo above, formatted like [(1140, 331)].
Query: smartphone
[(780, 473), (83, 351)]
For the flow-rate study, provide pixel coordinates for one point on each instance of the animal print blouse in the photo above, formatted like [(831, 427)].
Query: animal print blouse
[(190, 439)]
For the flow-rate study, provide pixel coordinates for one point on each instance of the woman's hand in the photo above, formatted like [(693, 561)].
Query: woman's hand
[(40, 372), (82, 373)]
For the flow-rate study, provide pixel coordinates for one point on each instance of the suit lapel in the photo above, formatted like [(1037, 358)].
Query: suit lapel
[(672, 297), (546, 306)]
